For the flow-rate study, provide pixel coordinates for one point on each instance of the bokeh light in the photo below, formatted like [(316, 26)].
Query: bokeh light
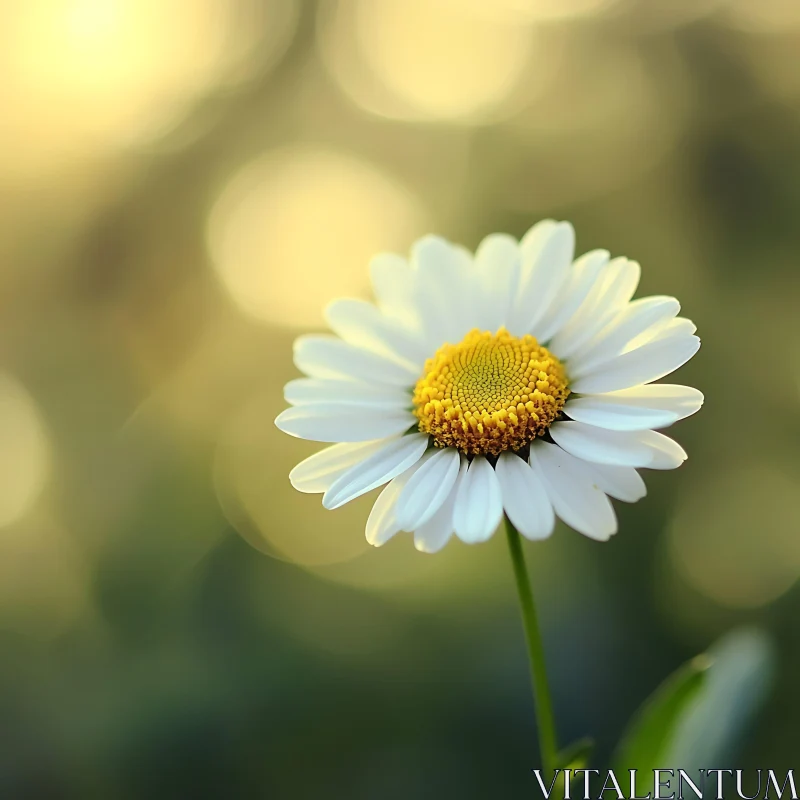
[(24, 451), (185, 184), (90, 76), (607, 88), (765, 16), (734, 535), (540, 10), (44, 586), (246, 474), (653, 17), (297, 228), (426, 59)]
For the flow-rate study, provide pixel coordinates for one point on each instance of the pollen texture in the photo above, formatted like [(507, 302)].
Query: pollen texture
[(490, 392)]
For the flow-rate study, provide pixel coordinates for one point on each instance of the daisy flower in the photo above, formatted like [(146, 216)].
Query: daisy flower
[(516, 380)]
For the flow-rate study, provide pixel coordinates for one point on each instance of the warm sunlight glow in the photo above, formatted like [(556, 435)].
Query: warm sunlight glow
[(247, 474), (734, 537), (92, 74), (298, 227), (425, 59), (765, 16), (542, 10), (24, 451)]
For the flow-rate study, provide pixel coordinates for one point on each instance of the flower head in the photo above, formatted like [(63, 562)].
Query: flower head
[(516, 380)]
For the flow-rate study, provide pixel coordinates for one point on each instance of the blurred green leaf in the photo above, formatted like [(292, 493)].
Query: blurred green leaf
[(743, 664), (650, 733), (576, 755), (699, 714)]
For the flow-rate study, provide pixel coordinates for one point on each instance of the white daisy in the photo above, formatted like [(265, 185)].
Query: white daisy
[(516, 380)]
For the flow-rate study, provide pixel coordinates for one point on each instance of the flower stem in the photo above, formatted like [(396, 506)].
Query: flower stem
[(541, 692)]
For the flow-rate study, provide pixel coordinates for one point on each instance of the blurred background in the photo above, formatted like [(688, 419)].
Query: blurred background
[(183, 185)]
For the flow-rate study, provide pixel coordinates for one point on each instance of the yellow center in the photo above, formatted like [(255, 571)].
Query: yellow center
[(490, 392)]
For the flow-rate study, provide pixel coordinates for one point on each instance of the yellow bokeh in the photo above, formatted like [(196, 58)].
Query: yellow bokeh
[(765, 16), (44, 578), (297, 228), (425, 59), (24, 451), (86, 77), (251, 470), (541, 10), (605, 88), (734, 535)]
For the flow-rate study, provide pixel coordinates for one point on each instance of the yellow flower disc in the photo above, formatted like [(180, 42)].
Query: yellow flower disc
[(490, 392)]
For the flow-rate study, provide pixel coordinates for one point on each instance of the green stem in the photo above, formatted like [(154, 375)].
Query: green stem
[(533, 636)]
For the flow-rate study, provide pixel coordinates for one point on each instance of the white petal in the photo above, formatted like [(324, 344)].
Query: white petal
[(535, 239), (428, 489), (623, 483), (679, 325), (382, 522), (667, 453), (655, 405), (391, 460), (617, 416), (436, 532), (441, 273), (576, 288), (330, 357), (497, 267), (479, 504), (623, 287), (322, 391), (546, 257), (575, 496), (639, 322), (619, 448), (363, 325), (614, 288), (681, 400), (602, 446), (393, 285), (318, 472), (343, 423), (524, 497), (647, 363)]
